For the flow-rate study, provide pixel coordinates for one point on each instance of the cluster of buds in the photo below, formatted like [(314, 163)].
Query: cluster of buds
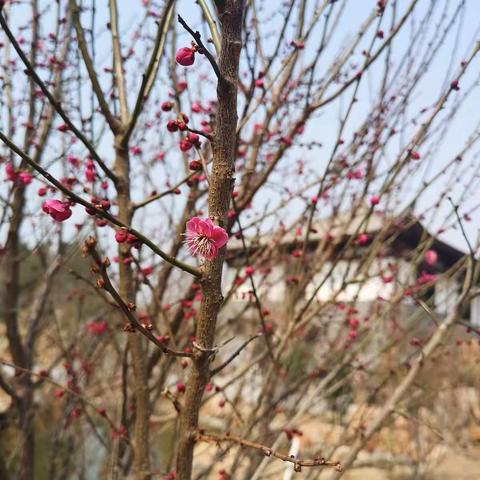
[(21, 178), (179, 124), (124, 236), (96, 328), (90, 170), (189, 141), (100, 204)]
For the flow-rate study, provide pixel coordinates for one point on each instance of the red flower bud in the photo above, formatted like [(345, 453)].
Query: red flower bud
[(172, 126), (180, 387), (185, 145), (362, 239), (193, 138), (121, 235), (185, 56), (167, 106), (195, 165)]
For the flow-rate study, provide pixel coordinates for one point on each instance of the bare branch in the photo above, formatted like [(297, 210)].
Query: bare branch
[(268, 452), (234, 355), (113, 122), (58, 107), (98, 211), (127, 309), (203, 49)]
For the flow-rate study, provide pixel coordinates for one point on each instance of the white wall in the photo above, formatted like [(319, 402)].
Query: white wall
[(368, 287), (446, 295), (271, 287)]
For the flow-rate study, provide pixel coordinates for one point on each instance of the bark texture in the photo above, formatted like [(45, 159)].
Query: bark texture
[(11, 291), (230, 15), (141, 463)]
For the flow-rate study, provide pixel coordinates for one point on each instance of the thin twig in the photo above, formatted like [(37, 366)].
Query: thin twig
[(152, 69), (268, 452), (127, 309), (100, 212), (234, 355), (462, 228), (198, 39), (58, 107), (199, 132), (64, 388), (160, 195), (258, 303)]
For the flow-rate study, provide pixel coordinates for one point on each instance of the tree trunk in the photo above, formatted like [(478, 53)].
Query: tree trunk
[(220, 188), (137, 345)]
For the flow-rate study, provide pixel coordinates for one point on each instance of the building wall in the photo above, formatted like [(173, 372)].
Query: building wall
[(346, 283), (272, 286)]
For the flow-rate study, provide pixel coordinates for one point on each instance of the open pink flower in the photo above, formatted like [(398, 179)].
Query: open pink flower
[(205, 238), (57, 210)]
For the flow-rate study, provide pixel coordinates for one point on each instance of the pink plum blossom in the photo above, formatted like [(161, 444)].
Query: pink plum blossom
[(205, 238), (58, 210)]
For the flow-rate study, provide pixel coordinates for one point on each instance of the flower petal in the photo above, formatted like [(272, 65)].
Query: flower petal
[(205, 227), (192, 225), (219, 236)]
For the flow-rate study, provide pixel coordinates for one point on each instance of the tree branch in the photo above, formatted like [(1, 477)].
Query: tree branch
[(30, 71), (234, 355), (118, 62), (98, 211), (127, 309), (212, 25), (150, 74), (198, 39), (268, 452), (113, 122)]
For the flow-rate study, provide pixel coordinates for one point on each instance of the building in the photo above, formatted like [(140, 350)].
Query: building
[(352, 258)]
